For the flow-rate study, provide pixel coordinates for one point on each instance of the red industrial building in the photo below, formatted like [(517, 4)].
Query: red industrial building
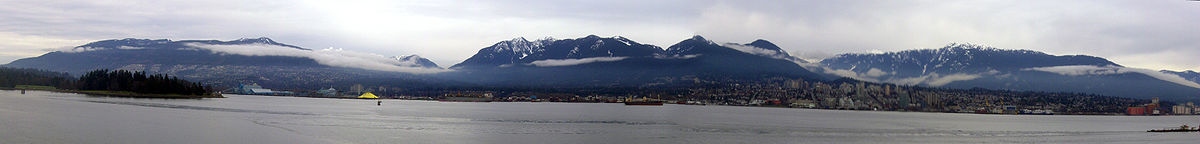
[(1147, 109), (1136, 111)]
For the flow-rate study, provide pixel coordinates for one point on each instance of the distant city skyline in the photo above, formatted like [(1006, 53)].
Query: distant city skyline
[(1142, 34)]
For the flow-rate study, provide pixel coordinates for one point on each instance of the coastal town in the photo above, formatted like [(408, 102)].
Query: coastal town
[(787, 93)]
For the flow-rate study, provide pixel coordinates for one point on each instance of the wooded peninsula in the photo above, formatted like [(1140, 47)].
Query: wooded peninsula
[(118, 83)]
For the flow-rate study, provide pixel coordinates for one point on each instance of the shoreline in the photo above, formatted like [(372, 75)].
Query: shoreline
[(434, 100), (125, 94)]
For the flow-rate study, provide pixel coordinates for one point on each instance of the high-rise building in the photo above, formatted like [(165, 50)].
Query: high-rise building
[(887, 90), (1181, 110)]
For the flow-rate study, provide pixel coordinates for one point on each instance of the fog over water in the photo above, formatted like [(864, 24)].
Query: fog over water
[(46, 117)]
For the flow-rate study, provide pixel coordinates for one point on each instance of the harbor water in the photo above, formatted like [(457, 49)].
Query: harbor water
[(49, 117)]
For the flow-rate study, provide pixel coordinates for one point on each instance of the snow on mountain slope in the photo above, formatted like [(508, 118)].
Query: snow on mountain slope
[(954, 59), (522, 52), (971, 66), (415, 61)]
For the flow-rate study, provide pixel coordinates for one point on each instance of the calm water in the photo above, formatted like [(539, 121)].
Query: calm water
[(45, 117)]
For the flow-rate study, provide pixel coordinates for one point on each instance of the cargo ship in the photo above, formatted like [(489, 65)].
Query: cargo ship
[(645, 103), (466, 97), (1183, 128)]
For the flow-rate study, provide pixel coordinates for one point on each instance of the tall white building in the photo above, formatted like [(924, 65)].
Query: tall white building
[(1181, 110)]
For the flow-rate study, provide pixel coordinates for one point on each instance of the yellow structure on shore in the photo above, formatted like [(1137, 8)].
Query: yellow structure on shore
[(368, 95)]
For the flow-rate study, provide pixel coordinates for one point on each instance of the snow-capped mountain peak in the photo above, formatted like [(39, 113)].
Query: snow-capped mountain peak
[(690, 45), (625, 41), (521, 51), (262, 40), (244, 41), (698, 37), (407, 57), (520, 46), (414, 61)]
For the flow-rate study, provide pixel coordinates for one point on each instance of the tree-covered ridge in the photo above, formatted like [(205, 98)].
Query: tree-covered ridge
[(138, 82), (10, 77)]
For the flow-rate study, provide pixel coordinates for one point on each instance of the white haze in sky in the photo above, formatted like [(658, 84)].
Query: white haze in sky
[(1153, 34), (569, 62), (330, 57)]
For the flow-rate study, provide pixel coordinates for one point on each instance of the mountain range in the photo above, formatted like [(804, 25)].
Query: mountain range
[(617, 61), (595, 61), (223, 63), (974, 66), (1188, 74)]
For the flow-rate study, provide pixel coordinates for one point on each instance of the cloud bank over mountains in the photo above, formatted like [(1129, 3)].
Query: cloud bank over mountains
[(1145, 34), (876, 75), (1084, 70), (756, 50), (330, 56), (937, 80), (569, 62)]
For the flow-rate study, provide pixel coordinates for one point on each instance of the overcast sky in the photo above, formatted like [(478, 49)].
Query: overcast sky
[(1153, 34)]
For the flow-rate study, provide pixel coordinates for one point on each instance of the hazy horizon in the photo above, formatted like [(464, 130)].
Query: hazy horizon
[(1143, 34)]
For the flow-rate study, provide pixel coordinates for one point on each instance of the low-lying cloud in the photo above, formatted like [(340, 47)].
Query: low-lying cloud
[(1081, 70), (874, 72), (330, 57), (933, 79), (880, 76), (411, 62), (569, 62), (677, 56), (756, 50)]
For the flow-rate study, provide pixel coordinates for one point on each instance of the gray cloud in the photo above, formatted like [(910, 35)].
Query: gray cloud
[(1144, 34)]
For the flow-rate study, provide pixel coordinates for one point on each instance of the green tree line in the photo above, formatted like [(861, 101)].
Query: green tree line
[(106, 80), (138, 82), (11, 77)]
